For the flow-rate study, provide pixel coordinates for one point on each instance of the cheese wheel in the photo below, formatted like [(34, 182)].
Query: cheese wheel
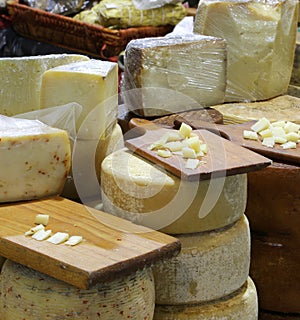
[(210, 265), (134, 189), (242, 304), (31, 295)]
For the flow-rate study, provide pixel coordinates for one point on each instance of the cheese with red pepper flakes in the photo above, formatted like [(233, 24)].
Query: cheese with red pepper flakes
[(35, 159)]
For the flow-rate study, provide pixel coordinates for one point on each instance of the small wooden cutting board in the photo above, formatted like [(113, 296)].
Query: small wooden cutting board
[(223, 157), (111, 246)]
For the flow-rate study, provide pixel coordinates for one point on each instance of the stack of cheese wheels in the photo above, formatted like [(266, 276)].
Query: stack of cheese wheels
[(31, 295), (212, 270)]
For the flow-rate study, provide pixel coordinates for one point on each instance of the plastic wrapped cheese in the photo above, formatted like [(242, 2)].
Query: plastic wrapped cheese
[(261, 39), (164, 75)]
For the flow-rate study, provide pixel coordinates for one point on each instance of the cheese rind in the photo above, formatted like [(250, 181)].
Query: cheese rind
[(210, 265), (134, 189), (28, 294), (36, 158), (164, 75), (261, 37)]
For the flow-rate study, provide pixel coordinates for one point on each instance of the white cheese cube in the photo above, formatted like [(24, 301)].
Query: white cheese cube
[(262, 124), (251, 135), (268, 142), (58, 237), (41, 235)]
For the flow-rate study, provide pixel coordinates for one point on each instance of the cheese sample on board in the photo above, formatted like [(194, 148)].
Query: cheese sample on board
[(242, 304), (31, 295), (260, 39), (169, 74), (134, 189), (210, 266), (35, 158), (20, 79), (93, 84)]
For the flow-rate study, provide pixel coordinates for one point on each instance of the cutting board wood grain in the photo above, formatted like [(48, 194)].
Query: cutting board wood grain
[(234, 133), (223, 157), (111, 246)]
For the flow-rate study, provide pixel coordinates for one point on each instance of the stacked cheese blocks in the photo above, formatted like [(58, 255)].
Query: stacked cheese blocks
[(209, 279)]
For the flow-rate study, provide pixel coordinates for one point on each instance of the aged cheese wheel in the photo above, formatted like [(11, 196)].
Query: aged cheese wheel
[(135, 189), (240, 305), (210, 265), (31, 295)]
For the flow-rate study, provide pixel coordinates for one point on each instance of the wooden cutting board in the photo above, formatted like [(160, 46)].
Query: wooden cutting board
[(234, 133), (223, 158), (111, 246)]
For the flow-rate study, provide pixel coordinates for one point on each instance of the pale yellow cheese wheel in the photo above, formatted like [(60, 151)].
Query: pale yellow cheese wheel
[(241, 305), (210, 265), (31, 295), (135, 189)]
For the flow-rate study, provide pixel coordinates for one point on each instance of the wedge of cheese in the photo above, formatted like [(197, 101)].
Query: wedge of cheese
[(31, 295), (35, 159), (242, 304), (94, 85), (261, 37), (164, 75), (20, 80), (134, 189), (210, 266)]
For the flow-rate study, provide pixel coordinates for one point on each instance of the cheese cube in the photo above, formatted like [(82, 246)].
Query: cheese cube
[(35, 159), (164, 75), (94, 85), (261, 38)]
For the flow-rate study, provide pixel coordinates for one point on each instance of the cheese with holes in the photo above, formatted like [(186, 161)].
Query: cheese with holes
[(31, 295), (135, 189), (261, 37), (170, 74), (94, 85), (210, 265), (35, 158), (242, 304), (20, 79)]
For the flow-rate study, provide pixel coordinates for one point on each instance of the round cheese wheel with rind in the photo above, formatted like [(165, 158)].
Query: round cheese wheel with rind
[(136, 190), (31, 295), (240, 305), (210, 265)]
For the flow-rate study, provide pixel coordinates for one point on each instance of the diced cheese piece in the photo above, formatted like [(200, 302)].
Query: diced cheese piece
[(209, 266), (36, 159), (192, 163), (243, 304), (279, 123), (33, 230), (173, 145), (20, 79), (74, 240), (34, 295), (58, 237), (185, 130), (260, 39), (268, 142), (173, 136), (262, 124), (278, 131), (293, 136), (291, 127), (42, 219), (204, 148), (266, 133), (164, 75), (280, 140), (189, 153), (134, 189), (164, 153), (289, 145), (41, 235), (194, 143), (252, 135), (93, 84)]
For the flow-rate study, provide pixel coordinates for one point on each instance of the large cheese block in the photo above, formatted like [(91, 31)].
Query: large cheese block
[(31, 295), (136, 190), (93, 84), (164, 75), (35, 159), (20, 79), (210, 265), (285, 107), (295, 79), (261, 38), (241, 305)]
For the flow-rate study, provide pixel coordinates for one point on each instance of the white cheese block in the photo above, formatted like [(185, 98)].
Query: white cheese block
[(210, 265), (164, 75), (135, 189), (241, 305), (93, 84), (20, 80), (35, 158), (260, 39), (31, 295)]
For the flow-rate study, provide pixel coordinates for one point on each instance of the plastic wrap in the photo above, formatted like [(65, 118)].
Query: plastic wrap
[(175, 73), (151, 4), (260, 39)]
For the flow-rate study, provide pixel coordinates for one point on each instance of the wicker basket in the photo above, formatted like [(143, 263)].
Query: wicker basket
[(93, 40)]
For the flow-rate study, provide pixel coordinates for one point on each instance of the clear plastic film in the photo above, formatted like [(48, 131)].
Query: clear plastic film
[(151, 4), (260, 37), (175, 73)]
